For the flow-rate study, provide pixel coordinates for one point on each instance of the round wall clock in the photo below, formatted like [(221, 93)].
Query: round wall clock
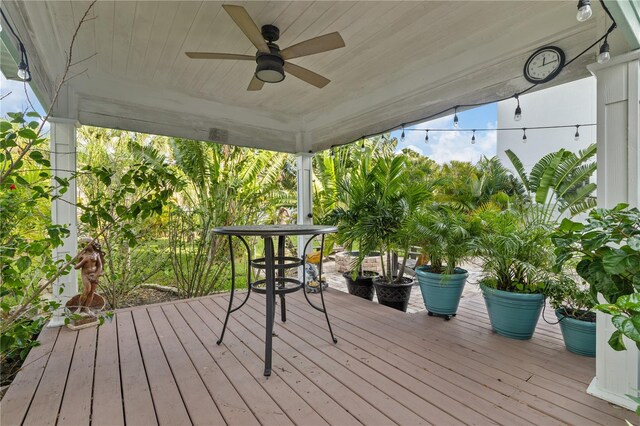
[(544, 64)]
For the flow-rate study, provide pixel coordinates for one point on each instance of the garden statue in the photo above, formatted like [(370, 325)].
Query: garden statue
[(90, 262)]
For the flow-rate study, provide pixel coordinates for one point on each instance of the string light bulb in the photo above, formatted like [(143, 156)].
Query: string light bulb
[(576, 137), (584, 10), (517, 116), (362, 147), (23, 68), (426, 137), (604, 56), (473, 138), (23, 72), (455, 118), (402, 135), (333, 153), (524, 135)]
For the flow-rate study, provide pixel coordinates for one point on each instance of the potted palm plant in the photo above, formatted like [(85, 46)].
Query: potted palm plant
[(516, 261), (516, 246), (573, 305), (382, 206), (445, 236), (352, 190)]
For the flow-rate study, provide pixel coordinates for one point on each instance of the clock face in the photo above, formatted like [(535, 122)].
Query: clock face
[(544, 65)]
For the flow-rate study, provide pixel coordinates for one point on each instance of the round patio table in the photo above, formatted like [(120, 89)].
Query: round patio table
[(274, 264)]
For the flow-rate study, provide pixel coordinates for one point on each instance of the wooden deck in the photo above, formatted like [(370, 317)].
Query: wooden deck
[(159, 364)]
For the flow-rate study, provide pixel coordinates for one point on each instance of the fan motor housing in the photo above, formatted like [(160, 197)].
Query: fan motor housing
[(270, 33), (270, 67)]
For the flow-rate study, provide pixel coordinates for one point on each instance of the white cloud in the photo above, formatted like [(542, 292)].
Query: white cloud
[(456, 145), (444, 147)]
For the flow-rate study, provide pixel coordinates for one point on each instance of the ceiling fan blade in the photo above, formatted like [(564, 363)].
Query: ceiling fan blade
[(315, 45), (210, 55), (249, 28), (306, 75), (255, 84)]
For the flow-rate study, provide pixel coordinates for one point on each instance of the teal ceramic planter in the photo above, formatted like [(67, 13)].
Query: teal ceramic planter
[(513, 315), (441, 292), (579, 336)]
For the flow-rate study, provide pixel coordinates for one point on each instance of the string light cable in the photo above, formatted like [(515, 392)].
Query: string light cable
[(516, 96), (24, 73)]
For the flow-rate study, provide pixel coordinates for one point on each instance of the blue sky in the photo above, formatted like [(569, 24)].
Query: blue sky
[(455, 145), (442, 146), (16, 99)]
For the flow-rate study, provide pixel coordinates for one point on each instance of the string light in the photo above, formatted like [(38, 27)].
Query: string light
[(362, 147), (517, 116), (23, 67), (524, 135), (584, 10), (473, 138), (576, 137), (604, 55), (402, 135), (426, 137)]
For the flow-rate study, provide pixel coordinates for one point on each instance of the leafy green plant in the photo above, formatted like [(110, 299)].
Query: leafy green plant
[(27, 235), (574, 299), (445, 235), (607, 247), (226, 185), (382, 203), (559, 183), (516, 257), (127, 265)]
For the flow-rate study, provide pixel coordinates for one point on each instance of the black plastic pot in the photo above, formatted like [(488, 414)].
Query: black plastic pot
[(395, 295), (362, 286)]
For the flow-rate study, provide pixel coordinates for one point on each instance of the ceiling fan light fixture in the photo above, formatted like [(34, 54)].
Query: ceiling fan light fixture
[(270, 68)]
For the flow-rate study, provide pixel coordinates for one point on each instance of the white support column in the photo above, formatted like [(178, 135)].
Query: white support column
[(618, 97), (305, 193), (63, 211)]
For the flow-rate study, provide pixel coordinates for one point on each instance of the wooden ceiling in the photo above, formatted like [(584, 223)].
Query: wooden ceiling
[(402, 61)]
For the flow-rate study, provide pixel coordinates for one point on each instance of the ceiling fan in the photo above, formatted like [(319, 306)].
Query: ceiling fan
[(273, 62)]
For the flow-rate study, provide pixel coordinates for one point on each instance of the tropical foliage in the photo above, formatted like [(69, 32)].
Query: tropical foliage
[(558, 184), (132, 254), (382, 203), (445, 235), (226, 185), (516, 256), (607, 248)]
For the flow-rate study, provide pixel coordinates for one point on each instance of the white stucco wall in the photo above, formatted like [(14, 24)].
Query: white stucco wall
[(571, 103)]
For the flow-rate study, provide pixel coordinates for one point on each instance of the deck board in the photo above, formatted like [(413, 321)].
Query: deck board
[(138, 403), (18, 398), (160, 364), (76, 402), (52, 386), (107, 408), (196, 397), (167, 400), (231, 405), (485, 400)]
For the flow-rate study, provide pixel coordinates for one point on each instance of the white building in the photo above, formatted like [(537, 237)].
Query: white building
[(567, 104)]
